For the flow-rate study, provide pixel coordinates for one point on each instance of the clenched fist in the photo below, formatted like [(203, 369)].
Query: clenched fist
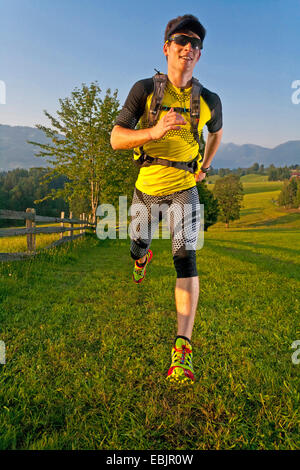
[(171, 121)]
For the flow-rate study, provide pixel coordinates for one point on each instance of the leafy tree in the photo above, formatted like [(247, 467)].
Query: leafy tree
[(79, 205), (290, 193), (293, 190), (283, 198), (211, 209), (278, 174), (272, 173), (3, 197), (80, 148), (240, 172), (20, 189), (297, 199), (229, 193), (224, 171), (254, 168)]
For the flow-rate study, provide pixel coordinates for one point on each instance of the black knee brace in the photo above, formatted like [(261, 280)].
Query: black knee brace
[(185, 263)]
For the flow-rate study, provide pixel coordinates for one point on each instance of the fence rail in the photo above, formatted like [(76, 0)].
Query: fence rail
[(18, 215), (13, 232), (32, 230)]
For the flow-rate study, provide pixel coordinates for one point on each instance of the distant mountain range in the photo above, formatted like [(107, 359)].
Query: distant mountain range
[(235, 156), (15, 152)]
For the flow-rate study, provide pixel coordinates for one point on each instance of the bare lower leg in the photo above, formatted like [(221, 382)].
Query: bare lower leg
[(186, 298)]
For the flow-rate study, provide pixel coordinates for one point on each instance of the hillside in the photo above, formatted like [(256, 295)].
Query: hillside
[(259, 209), (15, 152)]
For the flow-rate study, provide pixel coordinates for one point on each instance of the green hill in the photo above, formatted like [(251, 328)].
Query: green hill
[(254, 178), (260, 209)]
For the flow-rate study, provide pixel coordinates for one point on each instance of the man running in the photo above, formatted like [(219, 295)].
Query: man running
[(171, 111)]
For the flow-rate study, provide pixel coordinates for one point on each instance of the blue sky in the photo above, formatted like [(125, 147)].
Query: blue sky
[(250, 57)]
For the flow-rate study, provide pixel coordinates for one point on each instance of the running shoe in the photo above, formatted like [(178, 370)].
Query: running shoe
[(139, 273), (181, 370)]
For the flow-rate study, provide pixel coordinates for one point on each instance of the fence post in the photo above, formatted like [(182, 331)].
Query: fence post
[(80, 224), (70, 234), (90, 220), (62, 216), (30, 236), (83, 218), (92, 227)]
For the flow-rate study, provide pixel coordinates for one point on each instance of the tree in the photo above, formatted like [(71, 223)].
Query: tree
[(283, 198), (229, 193), (80, 145), (20, 189), (289, 195), (254, 168), (297, 199), (272, 173), (211, 208), (278, 174), (285, 173)]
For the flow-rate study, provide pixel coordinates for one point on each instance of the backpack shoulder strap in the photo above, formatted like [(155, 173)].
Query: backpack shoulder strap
[(160, 81), (195, 107)]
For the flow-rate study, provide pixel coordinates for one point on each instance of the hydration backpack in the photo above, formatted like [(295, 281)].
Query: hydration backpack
[(160, 81)]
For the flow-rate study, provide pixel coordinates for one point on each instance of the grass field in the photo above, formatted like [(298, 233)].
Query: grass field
[(254, 178), (87, 350), (251, 178)]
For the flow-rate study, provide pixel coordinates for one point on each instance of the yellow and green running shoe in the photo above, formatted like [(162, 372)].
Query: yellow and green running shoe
[(181, 370), (139, 273)]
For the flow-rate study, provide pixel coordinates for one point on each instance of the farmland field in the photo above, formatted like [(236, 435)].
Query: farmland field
[(87, 350)]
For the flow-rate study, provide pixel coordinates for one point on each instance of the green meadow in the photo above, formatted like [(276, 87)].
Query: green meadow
[(87, 350)]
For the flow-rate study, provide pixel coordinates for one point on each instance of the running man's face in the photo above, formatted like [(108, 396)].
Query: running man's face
[(182, 57)]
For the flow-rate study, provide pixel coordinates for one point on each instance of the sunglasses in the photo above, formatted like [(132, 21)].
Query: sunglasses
[(182, 40)]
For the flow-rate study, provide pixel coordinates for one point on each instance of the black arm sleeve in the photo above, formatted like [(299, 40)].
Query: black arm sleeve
[(134, 105), (216, 121)]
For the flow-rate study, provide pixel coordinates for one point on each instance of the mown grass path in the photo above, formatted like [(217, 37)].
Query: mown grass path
[(88, 350)]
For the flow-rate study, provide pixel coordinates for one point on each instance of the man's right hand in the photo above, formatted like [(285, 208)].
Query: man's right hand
[(171, 121), (122, 138)]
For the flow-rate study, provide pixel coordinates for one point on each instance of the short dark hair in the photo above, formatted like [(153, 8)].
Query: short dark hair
[(185, 23)]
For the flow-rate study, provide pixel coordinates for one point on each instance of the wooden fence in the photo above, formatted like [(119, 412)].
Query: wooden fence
[(31, 230)]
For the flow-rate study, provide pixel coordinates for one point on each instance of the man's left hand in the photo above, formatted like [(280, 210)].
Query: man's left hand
[(199, 176)]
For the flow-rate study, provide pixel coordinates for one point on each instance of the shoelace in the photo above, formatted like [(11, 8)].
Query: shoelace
[(183, 354), (180, 356)]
